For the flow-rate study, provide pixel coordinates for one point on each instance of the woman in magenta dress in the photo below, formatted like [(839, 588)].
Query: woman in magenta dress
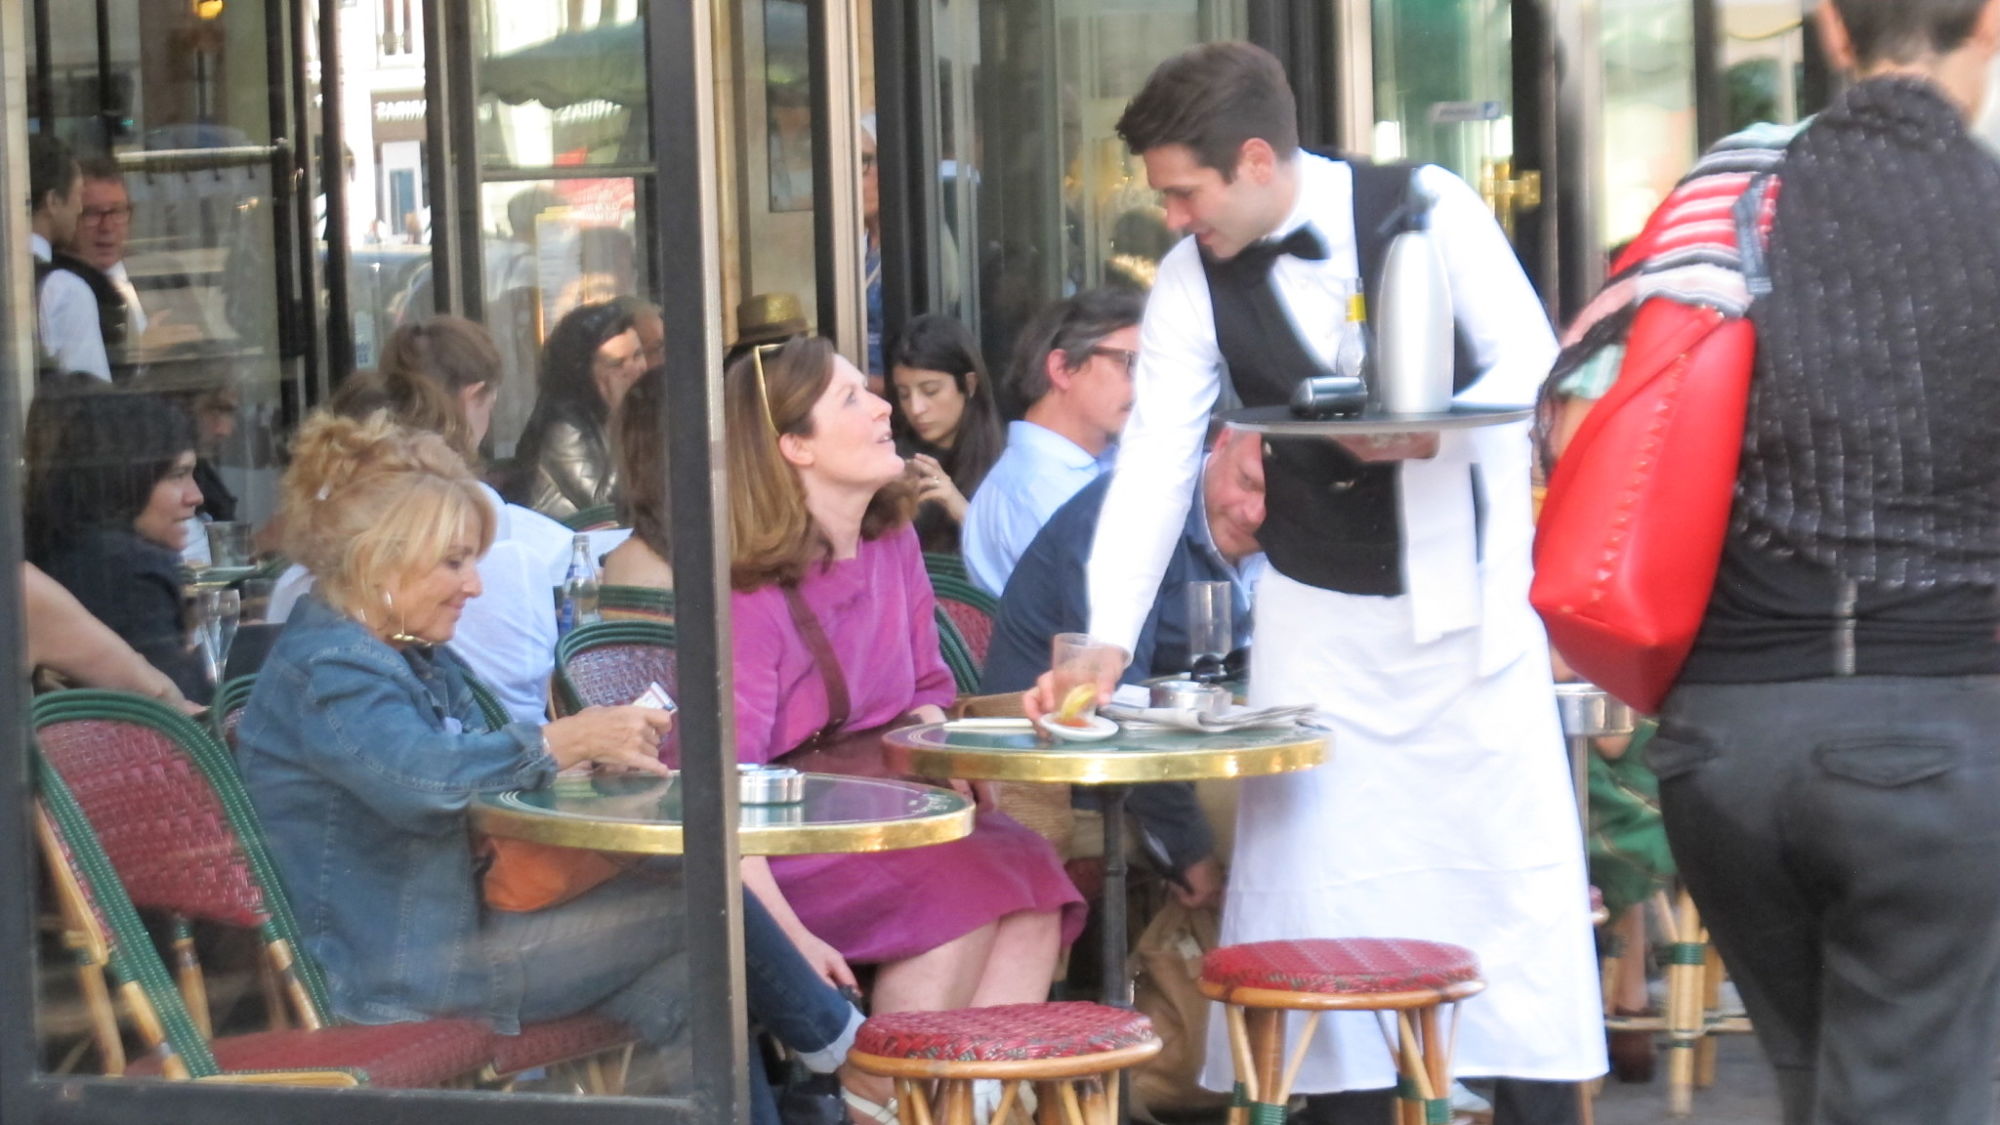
[(819, 518)]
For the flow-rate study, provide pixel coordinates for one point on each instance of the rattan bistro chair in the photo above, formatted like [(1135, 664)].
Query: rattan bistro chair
[(635, 603), (1260, 982), (226, 710), (971, 609), (175, 819), (105, 934), (1070, 1053), (596, 518), (609, 663)]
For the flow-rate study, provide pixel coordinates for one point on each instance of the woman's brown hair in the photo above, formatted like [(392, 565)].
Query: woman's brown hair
[(425, 365), (642, 464), (772, 536)]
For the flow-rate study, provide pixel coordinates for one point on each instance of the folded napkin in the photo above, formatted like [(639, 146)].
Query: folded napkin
[(1232, 719)]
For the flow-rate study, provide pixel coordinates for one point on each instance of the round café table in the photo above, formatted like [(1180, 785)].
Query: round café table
[(641, 815), (1133, 756)]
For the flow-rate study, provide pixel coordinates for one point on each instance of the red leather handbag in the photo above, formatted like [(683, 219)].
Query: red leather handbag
[(1631, 532)]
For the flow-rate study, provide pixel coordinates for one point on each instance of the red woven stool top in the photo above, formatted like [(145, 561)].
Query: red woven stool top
[(1341, 966), (1004, 1033)]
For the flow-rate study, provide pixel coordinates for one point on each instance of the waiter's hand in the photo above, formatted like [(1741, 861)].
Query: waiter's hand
[(1392, 447), (1041, 699), (1199, 885)]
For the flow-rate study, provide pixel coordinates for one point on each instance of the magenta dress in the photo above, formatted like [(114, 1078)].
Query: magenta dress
[(876, 611)]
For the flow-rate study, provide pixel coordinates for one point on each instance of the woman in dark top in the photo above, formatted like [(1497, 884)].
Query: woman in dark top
[(945, 421), (107, 513), (593, 356)]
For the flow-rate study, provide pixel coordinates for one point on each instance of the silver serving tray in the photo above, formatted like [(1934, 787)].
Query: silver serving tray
[(1279, 421)]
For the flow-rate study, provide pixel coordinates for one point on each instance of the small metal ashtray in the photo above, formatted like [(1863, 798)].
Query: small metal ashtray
[(1191, 696), (770, 785), (1588, 711)]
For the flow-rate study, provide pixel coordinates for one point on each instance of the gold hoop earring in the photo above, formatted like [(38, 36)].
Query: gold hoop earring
[(401, 635)]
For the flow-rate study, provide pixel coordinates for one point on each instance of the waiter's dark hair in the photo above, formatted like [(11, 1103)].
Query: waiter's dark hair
[(1212, 98), (1900, 31), (51, 169), (1072, 326)]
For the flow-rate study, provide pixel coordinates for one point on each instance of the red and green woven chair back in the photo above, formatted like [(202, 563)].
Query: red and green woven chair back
[(225, 712), (971, 609), (635, 603), (133, 958), (609, 663), (956, 653), (171, 812), (597, 518), (945, 564)]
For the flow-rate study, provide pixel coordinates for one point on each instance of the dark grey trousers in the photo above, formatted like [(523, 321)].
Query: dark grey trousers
[(1516, 1101), (1842, 839)]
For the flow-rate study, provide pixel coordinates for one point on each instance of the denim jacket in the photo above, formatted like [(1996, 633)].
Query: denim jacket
[(361, 761)]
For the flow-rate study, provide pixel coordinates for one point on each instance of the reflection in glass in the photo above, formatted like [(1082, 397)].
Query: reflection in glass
[(1444, 84), (560, 84), (1649, 117), (1763, 63), (1040, 192)]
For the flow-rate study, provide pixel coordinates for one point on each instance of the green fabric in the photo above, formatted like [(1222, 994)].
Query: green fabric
[(1629, 859)]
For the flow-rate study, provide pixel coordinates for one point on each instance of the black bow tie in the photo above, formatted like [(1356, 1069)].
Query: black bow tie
[(1254, 261)]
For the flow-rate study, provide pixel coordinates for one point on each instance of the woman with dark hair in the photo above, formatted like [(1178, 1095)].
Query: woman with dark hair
[(945, 421), (108, 505), (834, 637), (647, 558), (592, 357)]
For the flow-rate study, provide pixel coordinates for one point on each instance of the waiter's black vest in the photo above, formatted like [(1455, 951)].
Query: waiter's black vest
[(1331, 520), (112, 319)]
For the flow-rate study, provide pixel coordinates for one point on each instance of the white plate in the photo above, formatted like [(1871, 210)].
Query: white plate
[(1095, 729)]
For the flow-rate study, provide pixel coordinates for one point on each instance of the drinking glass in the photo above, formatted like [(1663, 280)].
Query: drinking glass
[(217, 613), (1078, 658), (230, 543), (1211, 630)]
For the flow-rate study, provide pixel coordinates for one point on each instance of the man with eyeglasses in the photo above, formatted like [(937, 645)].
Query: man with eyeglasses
[(1074, 365), (103, 228)]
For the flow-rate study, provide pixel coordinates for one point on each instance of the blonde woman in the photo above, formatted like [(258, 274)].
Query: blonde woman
[(362, 747)]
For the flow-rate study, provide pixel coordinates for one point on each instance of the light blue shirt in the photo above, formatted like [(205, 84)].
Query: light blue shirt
[(1038, 472)]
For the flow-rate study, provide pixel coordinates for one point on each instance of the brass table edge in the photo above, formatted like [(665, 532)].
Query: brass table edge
[(1111, 768), (634, 838)]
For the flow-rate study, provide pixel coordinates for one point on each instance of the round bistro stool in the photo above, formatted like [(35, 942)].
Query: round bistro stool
[(1070, 1051), (1261, 981)]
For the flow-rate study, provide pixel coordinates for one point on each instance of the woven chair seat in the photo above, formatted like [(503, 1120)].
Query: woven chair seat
[(1004, 1033), (404, 1056), (1341, 966), (555, 1041)]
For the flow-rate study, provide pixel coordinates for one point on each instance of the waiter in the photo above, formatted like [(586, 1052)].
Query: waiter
[(1397, 596)]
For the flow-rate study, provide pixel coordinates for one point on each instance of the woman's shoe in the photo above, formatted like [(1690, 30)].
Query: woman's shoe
[(866, 1112)]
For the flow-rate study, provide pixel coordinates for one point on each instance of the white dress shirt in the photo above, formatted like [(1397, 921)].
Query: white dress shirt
[(1181, 370), (67, 319), (135, 313), (1037, 473)]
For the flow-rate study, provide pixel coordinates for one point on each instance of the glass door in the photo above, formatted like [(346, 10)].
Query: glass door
[(1445, 94)]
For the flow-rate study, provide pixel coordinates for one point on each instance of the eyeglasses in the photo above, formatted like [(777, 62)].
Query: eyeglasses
[(763, 388), (1126, 356), (119, 214)]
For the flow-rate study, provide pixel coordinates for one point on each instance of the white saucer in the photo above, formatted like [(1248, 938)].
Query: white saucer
[(1095, 729)]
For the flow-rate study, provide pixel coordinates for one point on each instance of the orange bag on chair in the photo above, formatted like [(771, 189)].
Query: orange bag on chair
[(1631, 534)]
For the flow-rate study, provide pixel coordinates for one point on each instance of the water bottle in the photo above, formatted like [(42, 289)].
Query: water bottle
[(579, 596)]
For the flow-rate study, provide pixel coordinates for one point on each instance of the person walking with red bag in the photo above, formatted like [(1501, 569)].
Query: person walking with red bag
[(1827, 759)]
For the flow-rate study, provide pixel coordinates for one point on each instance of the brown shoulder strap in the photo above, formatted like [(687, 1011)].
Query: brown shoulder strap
[(807, 623)]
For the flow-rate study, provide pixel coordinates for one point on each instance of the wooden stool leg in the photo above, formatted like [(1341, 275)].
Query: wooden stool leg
[(1711, 999), (1685, 961), (1098, 1094), (954, 1102), (913, 1105), (1266, 1029), (1246, 1071), (1049, 1107)]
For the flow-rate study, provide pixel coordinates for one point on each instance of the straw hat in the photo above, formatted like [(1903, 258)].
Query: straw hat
[(766, 318)]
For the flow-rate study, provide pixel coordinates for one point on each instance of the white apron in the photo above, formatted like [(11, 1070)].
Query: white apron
[(1444, 812)]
